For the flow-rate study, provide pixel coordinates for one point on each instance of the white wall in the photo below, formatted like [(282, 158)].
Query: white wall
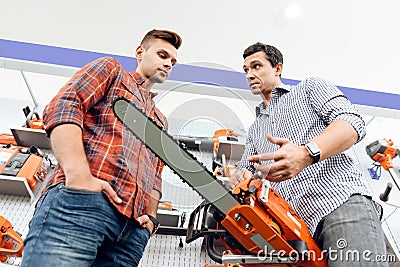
[(352, 43)]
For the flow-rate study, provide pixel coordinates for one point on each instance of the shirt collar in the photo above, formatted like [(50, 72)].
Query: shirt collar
[(139, 80), (284, 88), (136, 76)]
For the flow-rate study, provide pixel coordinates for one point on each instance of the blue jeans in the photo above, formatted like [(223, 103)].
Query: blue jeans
[(73, 227), (352, 235)]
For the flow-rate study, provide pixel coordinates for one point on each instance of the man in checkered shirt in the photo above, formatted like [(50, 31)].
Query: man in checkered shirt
[(100, 207), (297, 143)]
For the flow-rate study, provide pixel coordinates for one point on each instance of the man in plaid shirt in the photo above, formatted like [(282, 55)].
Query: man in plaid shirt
[(102, 199)]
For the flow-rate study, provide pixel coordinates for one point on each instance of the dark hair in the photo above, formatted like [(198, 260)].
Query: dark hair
[(273, 55), (169, 36)]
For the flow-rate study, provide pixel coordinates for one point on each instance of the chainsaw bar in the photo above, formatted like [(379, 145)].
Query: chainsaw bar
[(174, 155)]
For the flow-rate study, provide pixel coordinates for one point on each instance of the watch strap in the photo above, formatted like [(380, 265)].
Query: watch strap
[(316, 158), (155, 222)]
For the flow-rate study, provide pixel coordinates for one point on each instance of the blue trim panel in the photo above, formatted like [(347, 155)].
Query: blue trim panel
[(182, 73), (56, 55)]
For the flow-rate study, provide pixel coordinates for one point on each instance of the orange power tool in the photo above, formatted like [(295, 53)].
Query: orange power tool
[(25, 165), (33, 119), (263, 215), (383, 151), (229, 134), (222, 169), (11, 243), (256, 224)]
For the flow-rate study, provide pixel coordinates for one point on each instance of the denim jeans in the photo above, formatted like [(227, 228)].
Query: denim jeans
[(73, 227), (352, 235)]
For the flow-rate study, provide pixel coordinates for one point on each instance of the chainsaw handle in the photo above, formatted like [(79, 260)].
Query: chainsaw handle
[(29, 118), (212, 253), (15, 237)]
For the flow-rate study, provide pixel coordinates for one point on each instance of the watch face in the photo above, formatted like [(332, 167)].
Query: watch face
[(313, 148)]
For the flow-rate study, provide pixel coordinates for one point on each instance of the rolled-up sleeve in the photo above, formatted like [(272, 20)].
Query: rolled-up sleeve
[(331, 104), (82, 91)]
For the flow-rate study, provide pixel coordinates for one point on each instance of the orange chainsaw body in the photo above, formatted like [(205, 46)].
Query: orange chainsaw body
[(269, 216), (30, 169), (11, 244)]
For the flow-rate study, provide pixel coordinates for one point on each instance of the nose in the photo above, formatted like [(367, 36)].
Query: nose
[(168, 64), (249, 76)]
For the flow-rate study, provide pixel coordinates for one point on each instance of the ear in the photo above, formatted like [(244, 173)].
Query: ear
[(279, 68), (139, 52)]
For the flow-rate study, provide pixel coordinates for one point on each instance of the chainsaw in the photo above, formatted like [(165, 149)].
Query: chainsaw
[(11, 243), (256, 225)]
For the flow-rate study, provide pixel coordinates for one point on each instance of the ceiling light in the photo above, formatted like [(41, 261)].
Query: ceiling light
[(292, 11)]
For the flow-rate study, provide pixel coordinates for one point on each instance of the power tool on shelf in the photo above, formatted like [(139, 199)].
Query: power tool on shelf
[(23, 162), (7, 139), (223, 134), (220, 166), (33, 119), (382, 152), (11, 243), (256, 225)]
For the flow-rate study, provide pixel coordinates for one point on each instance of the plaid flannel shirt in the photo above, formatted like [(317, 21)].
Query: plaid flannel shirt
[(113, 153)]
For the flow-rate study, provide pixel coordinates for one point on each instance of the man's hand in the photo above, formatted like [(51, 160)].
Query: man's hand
[(290, 160), (67, 145), (145, 221), (238, 176), (93, 184)]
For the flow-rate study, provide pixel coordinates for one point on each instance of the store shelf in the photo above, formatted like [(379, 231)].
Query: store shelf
[(31, 137), (17, 186)]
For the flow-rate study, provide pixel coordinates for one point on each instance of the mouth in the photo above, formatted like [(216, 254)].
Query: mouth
[(252, 85), (164, 72)]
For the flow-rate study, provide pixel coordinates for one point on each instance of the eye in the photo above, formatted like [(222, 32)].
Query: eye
[(162, 55), (257, 66), (246, 70)]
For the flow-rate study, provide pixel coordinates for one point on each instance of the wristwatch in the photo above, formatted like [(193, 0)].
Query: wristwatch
[(156, 223), (314, 151)]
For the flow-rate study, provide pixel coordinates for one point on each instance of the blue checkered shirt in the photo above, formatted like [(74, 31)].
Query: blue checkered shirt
[(300, 113)]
